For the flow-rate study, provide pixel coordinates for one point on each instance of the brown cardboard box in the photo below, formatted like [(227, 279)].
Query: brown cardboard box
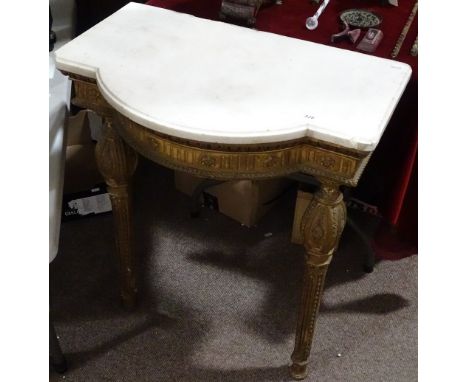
[(81, 172), (243, 200)]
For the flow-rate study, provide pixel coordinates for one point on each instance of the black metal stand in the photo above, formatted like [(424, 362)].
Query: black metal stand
[(56, 357), (369, 259), (52, 35)]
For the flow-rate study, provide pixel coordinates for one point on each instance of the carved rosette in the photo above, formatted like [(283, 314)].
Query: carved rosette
[(208, 161), (322, 225), (327, 162), (271, 161), (117, 163)]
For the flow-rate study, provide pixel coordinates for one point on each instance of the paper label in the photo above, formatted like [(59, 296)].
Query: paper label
[(93, 204)]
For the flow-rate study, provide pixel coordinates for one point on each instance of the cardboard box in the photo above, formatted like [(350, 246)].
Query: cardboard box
[(245, 201), (84, 188)]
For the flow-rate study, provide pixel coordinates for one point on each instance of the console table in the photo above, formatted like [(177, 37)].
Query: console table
[(225, 102)]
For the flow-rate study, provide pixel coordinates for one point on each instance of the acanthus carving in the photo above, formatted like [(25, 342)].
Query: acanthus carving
[(322, 224)]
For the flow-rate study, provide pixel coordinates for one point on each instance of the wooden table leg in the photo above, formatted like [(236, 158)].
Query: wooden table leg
[(117, 162), (322, 225)]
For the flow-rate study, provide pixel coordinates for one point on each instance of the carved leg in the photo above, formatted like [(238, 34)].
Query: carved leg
[(117, 163), (322, 224)]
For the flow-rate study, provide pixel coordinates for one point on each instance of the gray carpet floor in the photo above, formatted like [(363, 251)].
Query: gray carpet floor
[(218, 300)]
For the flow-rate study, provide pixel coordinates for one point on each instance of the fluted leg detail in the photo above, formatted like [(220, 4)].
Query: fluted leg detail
[(117, 163), (322, 225)]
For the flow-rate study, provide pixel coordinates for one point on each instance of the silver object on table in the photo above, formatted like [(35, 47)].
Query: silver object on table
[(360, 18), (312, 22)]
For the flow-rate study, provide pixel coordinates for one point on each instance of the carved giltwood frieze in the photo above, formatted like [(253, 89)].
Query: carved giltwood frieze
[(228, 161), (88, 96)]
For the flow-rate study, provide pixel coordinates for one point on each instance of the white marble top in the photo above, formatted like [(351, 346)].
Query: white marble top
[(215, 82)]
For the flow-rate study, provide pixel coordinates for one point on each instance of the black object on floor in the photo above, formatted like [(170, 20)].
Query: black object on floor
[(56, 357), (52, 35)]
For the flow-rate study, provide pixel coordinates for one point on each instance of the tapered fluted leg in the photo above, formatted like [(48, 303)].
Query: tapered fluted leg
[(117, 163), (322, 225)]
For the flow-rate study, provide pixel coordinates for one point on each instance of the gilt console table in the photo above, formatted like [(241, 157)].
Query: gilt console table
[(226, 102)]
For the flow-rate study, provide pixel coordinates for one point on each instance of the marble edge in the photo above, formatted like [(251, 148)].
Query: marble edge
[(211, 136), (305, 130), (186, 132), (396, 98), (75, 68)]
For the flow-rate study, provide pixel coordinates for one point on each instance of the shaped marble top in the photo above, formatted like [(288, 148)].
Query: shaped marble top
[(214, 82)]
